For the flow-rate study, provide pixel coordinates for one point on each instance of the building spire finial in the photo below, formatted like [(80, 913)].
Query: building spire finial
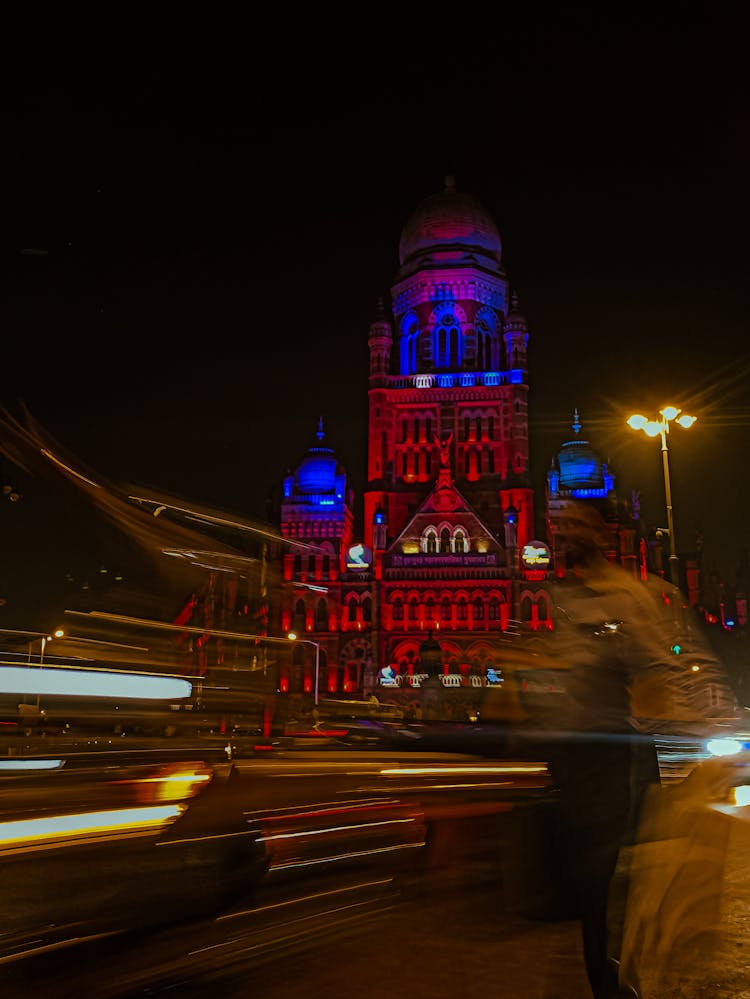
[(320, 433), (576, 421)]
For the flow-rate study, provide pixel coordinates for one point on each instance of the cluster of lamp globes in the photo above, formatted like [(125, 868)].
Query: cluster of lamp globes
[(655, 427), (11, 492)]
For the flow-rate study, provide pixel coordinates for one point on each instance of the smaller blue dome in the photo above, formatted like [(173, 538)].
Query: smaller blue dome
[(317, 471), (319, 479), (580, 466)]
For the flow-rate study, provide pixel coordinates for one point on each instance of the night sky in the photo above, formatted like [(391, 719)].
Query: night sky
[(194, 250)]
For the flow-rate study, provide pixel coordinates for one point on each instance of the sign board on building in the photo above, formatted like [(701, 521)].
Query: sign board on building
[(358, 557), (535, 555)]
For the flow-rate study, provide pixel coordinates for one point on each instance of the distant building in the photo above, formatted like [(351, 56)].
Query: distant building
[(578, 473)]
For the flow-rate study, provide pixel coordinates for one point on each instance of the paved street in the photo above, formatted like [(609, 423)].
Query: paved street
[(394, 919), (454, 939)]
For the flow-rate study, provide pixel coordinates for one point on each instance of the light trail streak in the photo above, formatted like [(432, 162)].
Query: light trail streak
[(50, 828), (62, 681)]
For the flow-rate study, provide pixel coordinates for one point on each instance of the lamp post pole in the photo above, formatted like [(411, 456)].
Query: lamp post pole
[(660, 427), (317, 671), (674, 575), (309, 641)]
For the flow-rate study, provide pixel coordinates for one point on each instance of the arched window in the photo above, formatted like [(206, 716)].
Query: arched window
[(448, 341), (367, 610), (428, 429), (445, 541), (484, 346), (352, 610), (398, 609), (429, 611), (412, 351), (297, 565), (459, 542), (413, 609), (478, 609), (445, 609), (494, 609), (479, 427), (326, 571), (321, 615), (526, 609), (542, 609), (430, 543), (462, 609), (299, 616), (409, 340)]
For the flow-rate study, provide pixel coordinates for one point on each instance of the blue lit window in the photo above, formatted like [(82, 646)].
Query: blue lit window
[(448, 343), (409, 342)]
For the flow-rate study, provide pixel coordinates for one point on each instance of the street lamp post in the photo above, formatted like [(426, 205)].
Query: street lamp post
[(660, 427), (292, 636), (59, 633)]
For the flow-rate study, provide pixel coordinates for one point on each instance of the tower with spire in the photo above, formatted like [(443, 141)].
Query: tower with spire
[(448, 504), (318, 519)]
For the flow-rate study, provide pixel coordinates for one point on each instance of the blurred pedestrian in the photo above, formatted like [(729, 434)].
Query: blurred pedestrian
[(613, 634)]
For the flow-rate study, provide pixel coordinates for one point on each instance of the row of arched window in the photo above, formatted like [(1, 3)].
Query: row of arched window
[(430, 610), (358, 612), (476, 461), (355, 613), (444, 541), (450, 344)]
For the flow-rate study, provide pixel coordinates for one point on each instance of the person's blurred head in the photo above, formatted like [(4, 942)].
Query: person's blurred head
[(582, 533)]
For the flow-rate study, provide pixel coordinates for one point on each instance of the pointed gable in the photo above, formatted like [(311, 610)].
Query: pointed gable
[(445, 530)]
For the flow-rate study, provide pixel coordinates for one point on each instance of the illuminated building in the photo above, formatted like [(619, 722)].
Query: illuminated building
[(448, 505)]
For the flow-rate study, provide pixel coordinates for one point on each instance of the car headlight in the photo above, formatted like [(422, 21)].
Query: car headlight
[(724, 747)]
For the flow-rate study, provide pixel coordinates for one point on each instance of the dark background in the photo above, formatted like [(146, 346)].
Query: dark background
[(196, 237)]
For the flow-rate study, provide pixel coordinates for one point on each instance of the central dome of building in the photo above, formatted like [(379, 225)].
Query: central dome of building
[(449, 221)]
